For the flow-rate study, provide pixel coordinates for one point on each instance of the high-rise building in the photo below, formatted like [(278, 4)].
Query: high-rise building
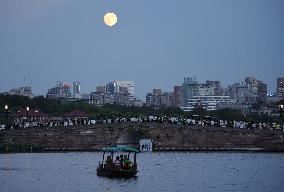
[(249, 92), (128, 84), (238, 92), (280, 88), (76, 90), (167, 99), (257, 90), (177, 96), (151, 100), (159, 99), (190, 88), (121, 87), (154, 98), (61, 90), (118, 92), (206, 95)]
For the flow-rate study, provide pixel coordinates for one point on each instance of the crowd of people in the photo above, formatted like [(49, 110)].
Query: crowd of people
[(120, 162), (194, 120)]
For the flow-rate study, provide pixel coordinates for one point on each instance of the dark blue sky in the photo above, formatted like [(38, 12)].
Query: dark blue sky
[(155, 43)]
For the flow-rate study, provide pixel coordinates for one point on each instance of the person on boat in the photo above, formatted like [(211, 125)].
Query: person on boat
[(117, 164), (121, 160), (108, 163), (126, 162)]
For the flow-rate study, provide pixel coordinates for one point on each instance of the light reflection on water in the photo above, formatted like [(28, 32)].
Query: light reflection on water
[(160, 171)]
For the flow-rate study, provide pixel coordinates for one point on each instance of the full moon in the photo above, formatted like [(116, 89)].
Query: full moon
[(110, 19)]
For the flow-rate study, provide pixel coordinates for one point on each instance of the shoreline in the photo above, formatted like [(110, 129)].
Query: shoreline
[(201, 150), (164, 137)]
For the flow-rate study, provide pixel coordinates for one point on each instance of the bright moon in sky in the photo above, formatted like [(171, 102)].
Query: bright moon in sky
[(110, 19)]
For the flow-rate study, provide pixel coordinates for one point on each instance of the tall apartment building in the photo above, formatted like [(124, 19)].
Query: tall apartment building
[(251, 91), (177, 96), (159, 99), (190, 88), (238, 92), (206, 95), (121, 86), (280, 88), (257, 90), (76, 90), (154, 98), (128, 84), (118, 92)]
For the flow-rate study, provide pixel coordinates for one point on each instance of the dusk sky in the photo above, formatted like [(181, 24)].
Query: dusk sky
[(154, 43)]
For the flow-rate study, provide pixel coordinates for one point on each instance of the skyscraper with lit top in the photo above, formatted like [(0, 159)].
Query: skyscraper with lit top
[(76, 90)]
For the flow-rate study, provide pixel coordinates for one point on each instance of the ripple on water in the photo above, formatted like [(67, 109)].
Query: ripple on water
[(10, 169), (159, 171)]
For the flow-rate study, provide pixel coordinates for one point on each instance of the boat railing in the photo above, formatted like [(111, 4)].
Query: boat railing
[(131, 166)]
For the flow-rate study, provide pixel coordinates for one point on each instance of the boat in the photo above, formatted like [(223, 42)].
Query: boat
[(110, 168)]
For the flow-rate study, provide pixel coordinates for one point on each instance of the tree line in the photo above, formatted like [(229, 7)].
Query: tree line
[(55, 107)]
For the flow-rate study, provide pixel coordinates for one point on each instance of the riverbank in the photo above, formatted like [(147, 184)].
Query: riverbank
[(164, 137), (15, 148)]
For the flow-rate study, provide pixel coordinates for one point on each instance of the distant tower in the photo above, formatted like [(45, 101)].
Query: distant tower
[(128, 84), (190, 88), (76, 90), (280, 88)]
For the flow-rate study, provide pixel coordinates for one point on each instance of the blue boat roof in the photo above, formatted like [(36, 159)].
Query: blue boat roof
[(115, 149)]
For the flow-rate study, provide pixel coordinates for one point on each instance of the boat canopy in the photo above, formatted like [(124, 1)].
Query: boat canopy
[(116, 149)]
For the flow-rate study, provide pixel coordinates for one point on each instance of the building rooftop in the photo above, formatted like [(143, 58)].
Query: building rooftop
[(31, 113)]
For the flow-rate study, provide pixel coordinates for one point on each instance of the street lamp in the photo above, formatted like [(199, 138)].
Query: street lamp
[(27, 113), (6, 112)]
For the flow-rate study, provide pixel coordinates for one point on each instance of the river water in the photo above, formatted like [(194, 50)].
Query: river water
[(159, 171)]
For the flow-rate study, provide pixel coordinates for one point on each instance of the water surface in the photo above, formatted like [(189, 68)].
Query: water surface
[(159, 171)]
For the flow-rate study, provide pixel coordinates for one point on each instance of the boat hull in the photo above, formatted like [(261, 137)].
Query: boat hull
[(116, 173)]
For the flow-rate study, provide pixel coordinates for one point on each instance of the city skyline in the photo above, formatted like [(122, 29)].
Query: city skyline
[(155, 46), (171, 87)]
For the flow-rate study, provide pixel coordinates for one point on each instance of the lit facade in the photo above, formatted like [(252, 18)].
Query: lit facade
[(280, 88), (61, 90), (207, 102), (76, 90)]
